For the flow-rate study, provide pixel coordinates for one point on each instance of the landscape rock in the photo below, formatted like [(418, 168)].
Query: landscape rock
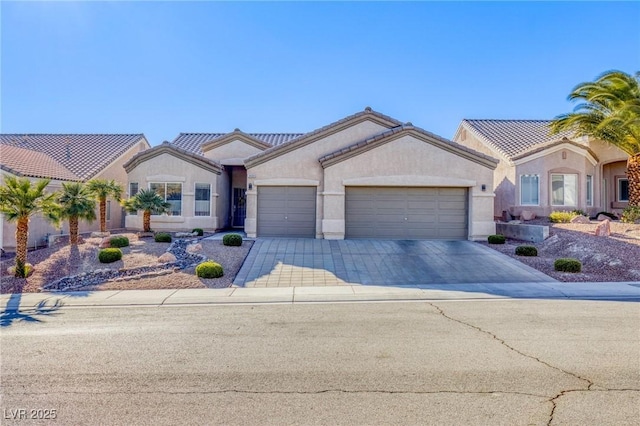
[(527, 215), (186, 234), (194, 248), (167, 258), (580, 219), (515, 222), (603, 229), (105, 243), (100, 234), (602, 217)]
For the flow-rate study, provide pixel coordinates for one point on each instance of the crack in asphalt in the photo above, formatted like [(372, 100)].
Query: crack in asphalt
[(552, 400)]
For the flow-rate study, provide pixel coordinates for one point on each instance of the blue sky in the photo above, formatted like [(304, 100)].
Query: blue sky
[(162, 68)]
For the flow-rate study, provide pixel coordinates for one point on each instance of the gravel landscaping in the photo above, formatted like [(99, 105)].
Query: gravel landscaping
[(612, 258), (54, 263)]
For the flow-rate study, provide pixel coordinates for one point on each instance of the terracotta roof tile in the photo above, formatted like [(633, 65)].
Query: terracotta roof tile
[(25, 162), (193, 141), (84, 155)]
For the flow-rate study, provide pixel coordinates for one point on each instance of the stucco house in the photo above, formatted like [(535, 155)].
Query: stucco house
[(365, 176), (541, 173), (64, 158)]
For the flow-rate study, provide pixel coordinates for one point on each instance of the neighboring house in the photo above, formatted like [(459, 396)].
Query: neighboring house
[(66, 157), (542, 173), (365, 176)]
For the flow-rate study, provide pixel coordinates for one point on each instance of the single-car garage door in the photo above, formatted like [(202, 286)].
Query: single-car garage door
[(287, 211), (406, 213)]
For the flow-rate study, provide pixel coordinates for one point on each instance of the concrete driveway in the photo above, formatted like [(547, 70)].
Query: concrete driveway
[(308, 262)]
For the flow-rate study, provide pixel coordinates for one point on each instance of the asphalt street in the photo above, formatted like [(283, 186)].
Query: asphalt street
[(487, 362)]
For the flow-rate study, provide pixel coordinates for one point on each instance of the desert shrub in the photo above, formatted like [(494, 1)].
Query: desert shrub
[(496, 239), (567, 265), (526, 251), (579, 212), (198, 231), (162, 237), (631, 214), (232, 240), (21, 269), (209, 269), (119, 241), (109, 255), (609, 215), (562, 216)]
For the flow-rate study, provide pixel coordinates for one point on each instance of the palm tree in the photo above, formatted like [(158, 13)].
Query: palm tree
[(76, 202), (101, 189), (19, 200), (148, 201), (609, 111)]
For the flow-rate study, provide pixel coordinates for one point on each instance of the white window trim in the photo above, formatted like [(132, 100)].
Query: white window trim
[(618, 181), (551, 189), (195, 200), (165, 195), (538, 189)]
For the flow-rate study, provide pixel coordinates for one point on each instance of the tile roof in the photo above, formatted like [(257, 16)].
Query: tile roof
[(25, 162), (84, 155), (168, 148), (193, 141), (513, 137)]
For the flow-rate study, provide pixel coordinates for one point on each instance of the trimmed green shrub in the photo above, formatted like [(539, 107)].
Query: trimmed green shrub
[(496, 239), (579, 212), (109, 255), (631, 214), (567, 265), (209, 269), (526, 251), (232, 240), (562, 216), (119, 241), (609, 215), (199, 231), (162, 237)]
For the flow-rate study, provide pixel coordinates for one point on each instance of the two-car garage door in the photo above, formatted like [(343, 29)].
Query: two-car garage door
[(406, 213)]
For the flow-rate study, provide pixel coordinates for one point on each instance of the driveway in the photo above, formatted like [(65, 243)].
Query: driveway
[(309, 262)]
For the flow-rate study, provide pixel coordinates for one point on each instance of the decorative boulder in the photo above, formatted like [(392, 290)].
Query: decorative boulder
[(580, 219), (527, 215), (601, 217), (100, 234), (603, 229), (194, 248), (186, 234), (167, 258), (105, 243)]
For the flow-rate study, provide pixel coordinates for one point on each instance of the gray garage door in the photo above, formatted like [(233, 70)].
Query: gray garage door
[(406, 213), (287, 211)]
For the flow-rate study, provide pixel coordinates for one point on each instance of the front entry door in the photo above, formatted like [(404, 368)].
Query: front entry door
[(239, 207)]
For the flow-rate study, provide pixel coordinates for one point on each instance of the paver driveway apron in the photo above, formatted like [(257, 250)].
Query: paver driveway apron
[(311, 262)]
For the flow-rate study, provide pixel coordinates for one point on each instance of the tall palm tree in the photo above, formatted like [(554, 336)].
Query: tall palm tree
[(149, 202), (101, 189), (19, 200), (609, 110), (76, 202)]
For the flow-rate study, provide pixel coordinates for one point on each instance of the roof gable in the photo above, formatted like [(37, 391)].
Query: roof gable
[(549, 145), (85, 155), (416, 132), (367, 115), (237, 134), (170, 149), (29, 163), (193, 142)]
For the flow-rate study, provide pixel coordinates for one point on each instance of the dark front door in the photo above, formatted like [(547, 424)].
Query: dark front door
[(239, 207)]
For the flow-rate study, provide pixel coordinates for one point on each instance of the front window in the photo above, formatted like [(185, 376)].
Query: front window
[(171, 193), (529, 190), (203, 199), (133, 189), (623, 190), (589, 190), (564, 190)]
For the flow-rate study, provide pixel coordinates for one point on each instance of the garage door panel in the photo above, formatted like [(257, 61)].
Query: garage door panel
[(286, 211)]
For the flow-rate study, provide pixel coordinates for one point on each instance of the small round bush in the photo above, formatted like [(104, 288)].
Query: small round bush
[(198, 231), (109, 255), (119, 241), (561, 216), (567, 265), (631, 214), (526, 251), (209, 269), (496, 239), (232, 240), (162, 237)]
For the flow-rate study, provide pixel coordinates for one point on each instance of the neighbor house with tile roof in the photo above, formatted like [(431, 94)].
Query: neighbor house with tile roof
[(364, 176), (66, 158), (540, 172)]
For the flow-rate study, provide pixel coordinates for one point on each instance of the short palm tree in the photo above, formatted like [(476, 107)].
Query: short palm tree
[(19, 200), (101, 189), (150, 203), (609, 110), (76, 202)]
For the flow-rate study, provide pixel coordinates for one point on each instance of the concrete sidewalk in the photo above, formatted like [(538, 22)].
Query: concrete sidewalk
[(629, 291)]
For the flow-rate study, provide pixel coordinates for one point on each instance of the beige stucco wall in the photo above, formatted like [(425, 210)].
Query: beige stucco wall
[(407, 161), (301, 167), (610, 174), (168, 168), (233, 152)]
